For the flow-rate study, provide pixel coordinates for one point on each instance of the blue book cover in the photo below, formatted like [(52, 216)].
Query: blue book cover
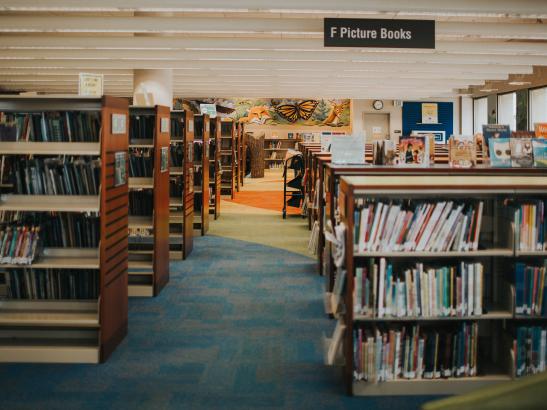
[(539, 146), (494, 131), (500, 152), (519, 287)]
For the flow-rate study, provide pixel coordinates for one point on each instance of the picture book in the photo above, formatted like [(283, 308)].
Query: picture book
[(490, 131), (500, 152), (414, 150), (539, 146), (540, 129), (522, 155), (462, 151)]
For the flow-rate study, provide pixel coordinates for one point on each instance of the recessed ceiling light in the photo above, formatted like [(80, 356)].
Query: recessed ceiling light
[(488, 90), (520, 83)]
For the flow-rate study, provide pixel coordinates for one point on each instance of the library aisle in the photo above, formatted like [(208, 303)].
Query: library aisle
[(240, 328)]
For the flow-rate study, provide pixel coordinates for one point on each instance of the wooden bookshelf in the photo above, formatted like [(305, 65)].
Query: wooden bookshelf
[(275, 150), (149, 234), (214, 167), (242, 156), (227, 157), (202, 190), (181, 182), (497, 250), (73, 330)]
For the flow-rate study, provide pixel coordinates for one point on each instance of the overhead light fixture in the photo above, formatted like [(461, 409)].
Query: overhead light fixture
[(488, 90), (520, 82)]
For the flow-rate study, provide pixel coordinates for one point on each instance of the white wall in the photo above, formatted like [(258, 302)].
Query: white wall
[(467, 116), (360, 107), (538, 106), (480, 110)]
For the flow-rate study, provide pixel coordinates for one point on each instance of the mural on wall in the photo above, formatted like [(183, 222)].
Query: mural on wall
[(308, 112)]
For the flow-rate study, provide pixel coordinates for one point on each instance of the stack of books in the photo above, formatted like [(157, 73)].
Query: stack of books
[(530, 349), (409, 353), (56, 176), (19, 244), (418, 292), (51, 283), (436, 226), (530, 293)]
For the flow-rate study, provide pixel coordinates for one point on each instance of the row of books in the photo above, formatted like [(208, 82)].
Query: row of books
[(379, 291), (70, 230), (530, 289), (51, 283), (532, 226), (176, 186), (412, 353), (176, 155), (275, 145), (436, 226), (530, 350), (65, 126), (56, 176), (19, 244), (141, 203), (518, 152), (142, 127), (198, 150), (141, 163), (177, 128)]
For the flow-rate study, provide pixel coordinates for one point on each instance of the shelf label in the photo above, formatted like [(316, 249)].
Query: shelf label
[(164, 124), (382, 33), (90, 85), (118, 123)]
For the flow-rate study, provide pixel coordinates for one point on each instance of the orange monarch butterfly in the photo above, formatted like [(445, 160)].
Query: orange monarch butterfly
[(301, 110)]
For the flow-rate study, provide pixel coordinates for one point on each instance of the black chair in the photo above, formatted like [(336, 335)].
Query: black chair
[(293, 190)]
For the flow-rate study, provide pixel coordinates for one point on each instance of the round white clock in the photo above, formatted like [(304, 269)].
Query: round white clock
[(378, 104)]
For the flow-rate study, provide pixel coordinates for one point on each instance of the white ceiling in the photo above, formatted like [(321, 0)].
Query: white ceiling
[(255, 48)]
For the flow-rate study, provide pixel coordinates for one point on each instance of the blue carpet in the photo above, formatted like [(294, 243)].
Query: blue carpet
[(238, 326)]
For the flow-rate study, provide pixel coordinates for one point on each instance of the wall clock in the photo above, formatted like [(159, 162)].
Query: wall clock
[(377, 105)]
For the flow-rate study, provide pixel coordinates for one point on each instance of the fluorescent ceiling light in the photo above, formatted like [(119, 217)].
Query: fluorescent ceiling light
[(488, 90), (520, 82)]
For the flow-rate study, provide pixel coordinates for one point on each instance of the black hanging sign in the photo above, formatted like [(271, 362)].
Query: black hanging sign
[(342, 32)]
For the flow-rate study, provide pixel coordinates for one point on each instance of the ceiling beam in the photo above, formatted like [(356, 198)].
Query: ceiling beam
[(461, 8)]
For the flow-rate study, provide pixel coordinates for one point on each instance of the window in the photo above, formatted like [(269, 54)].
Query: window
[(522, 110), (538, 106), (507, 110), (480, 114)]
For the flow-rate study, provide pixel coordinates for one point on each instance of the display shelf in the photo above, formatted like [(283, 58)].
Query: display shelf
[(146, 222), (145, 291), (508, 253), (493, 315), (214, 166), (141, 183), (62, 258), (202, 134), (228, 157), (176, 171), (50, 148)]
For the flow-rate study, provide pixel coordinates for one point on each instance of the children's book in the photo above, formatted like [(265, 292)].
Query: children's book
[(414, 150), (539, 146), (462, 151), (500, 152), (522, 154), (540, 129), (490, 131)]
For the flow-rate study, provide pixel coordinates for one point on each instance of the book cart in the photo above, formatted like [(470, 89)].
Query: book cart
[(227, 157), (82, 316), (481, 357), (149, 130), (202, 190), (181, 185), (215, 167)]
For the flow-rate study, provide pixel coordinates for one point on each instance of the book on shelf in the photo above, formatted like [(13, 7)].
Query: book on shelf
[(500, 152), (529, 350), (435, 226), (540, 129), (141, 202), (141, 162), (446, 291), (19, 244), (142, 127), (414, 150), (56, 176), (522, 153), (176, 155), (495, 131), (531, 226), (177, 128), (65, 126), (530, 289), (462, 151), (383, 354), (51, 284), (539, 147)]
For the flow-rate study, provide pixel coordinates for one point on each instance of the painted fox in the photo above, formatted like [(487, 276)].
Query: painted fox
[(257, 115)]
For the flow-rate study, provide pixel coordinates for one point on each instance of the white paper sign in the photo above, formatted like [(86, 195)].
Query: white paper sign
[(190, 125), (90, 85), (118, 123), (348, 149), (164, 124), (209, 109), (325, 141)]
